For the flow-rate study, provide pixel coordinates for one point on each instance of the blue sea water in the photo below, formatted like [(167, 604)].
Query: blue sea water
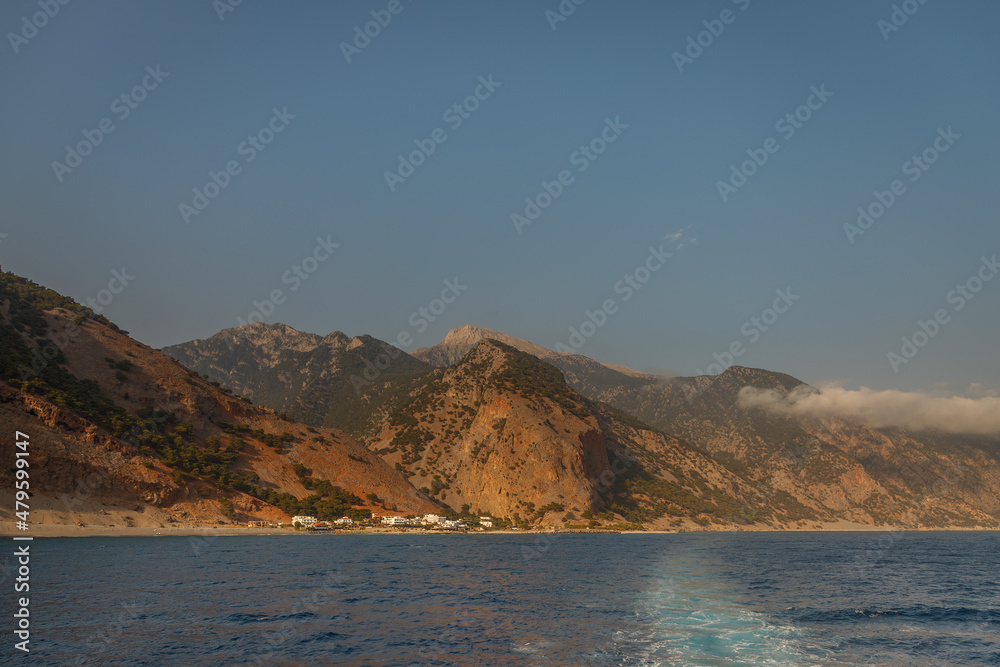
[(684, 599)]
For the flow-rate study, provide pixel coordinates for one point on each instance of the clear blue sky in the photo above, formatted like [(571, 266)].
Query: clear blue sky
[(324, 174)]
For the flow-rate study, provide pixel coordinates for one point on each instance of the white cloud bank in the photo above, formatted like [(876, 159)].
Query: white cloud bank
[(912, 410)]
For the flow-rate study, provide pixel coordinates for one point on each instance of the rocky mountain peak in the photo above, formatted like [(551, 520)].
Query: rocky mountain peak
[(458, 342), (272, 336), (337, 339), (756, 377), (496, 356), (469, 334)]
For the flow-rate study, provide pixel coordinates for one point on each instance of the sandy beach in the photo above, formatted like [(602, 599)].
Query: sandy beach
[(87, 518), (50, 530)]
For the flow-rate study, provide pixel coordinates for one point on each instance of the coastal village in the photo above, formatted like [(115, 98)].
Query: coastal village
[(426, 522)]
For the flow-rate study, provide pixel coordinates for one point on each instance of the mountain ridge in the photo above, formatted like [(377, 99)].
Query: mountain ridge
[(799, 470), (506, 427), (457, 342)]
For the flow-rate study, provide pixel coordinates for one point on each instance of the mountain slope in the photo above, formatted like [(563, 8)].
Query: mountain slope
[(694, 453), (835, 469), (500, 431), (497, 431), (843, 470), (116, 422)]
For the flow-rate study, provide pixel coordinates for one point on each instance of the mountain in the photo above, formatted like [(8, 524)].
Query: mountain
[(480, 421), (502, 432), (334, 380), (458, 342), (120, 432), (497, 431), (837, 469), (542, 419)]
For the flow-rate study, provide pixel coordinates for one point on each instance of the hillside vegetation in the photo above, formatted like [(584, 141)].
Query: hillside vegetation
[(104, 407)]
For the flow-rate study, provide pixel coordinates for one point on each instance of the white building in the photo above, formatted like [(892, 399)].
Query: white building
[(304, 521), (452, 524), (431, 518), (486, 522), (394, 521), (344, 521)]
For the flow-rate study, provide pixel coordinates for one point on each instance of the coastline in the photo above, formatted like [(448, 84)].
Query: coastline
[(53, 518), (67, 531)]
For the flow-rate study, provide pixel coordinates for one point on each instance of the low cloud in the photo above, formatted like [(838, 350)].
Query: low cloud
[(912, 410), (681, 238)]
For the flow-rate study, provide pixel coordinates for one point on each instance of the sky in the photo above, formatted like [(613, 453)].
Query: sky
[(651, 176)]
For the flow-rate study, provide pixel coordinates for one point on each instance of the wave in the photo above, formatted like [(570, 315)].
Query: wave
[(693, 622)]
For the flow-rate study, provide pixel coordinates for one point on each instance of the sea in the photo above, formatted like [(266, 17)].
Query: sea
[(873, 598)]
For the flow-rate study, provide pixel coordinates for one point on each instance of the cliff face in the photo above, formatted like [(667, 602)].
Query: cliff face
[(500, 432), (836, 469), (74, 457), (114, 421), (805, 469)]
